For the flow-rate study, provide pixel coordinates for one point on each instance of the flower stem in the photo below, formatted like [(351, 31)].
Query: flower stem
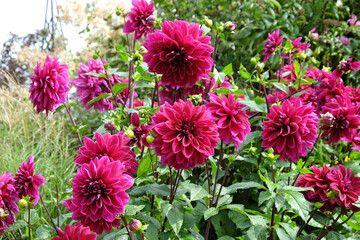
[(305, 223), (57, 205), (12, 216), (127, 227), (271, 237), (47, 211), (29, 221), (333, 226), (73, 122)]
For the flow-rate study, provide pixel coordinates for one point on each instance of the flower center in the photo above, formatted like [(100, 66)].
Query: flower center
[(186, 129), (345, 66), (95, 188), (340, 122), (177, 57)]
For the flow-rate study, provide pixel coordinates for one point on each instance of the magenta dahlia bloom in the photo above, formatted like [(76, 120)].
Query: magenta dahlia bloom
[(314, 35), (328, 89), (349, 65), (8, 196), (115, 147), (179, 52), (320, 182), (99, 194), (186, 136), (316, 74), (291, 129), (232, 122), (344, 122), (271, 43), (75, 232), (344, 182), (140, 20), (354, 20), (49, 85), (288, 68), (299, 47), (26, 183), (346, 41), (140, 131), (90, 87), (353, 93)]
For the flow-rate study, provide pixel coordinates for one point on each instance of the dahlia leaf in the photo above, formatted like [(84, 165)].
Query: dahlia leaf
[(210, 212), (281, 86), (144, 166), (256, 232), (289, 230), (122, 74), (265, 195), (101, 75), (228, 69), (143, 84), (154, 189), (98, 98), (282, 234), (253, 106), (119, 87), (249, 138), (176, 217), (296, 68), (17, 225), (43, 232), (34, 217), (62, 106), (244, 185), (131, 210), (298, 203), (197, 192), (258, 220)]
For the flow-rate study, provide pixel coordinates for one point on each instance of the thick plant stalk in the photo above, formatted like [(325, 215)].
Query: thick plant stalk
[(73, 122)]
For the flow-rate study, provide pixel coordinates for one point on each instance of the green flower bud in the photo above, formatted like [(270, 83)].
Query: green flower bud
[(253, 60), (129, 133), (253, 150), (149, 139), (23, 203), (318, 204), (143, 50), (271, 156), (302, 56), (2, 213), (208, 23), (135, 226), (220, 29)]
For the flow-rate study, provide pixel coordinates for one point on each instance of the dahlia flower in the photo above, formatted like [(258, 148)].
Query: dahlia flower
[(186, 136), (271, 43), (232, 122), (346, 41), (320, 182), (328, 89), (345, 120), (317, 74), (26, 183), (179, 52), (112, 146), (344, 182), (314, 35), (299, 47), (277, 96), (90, 87), (353, 93), (75, 232), (140, 132), (140, 20), (8, 196), (349, 65), (99, 194), (288, 68), (291, 129), (353, 20), (49, 85)]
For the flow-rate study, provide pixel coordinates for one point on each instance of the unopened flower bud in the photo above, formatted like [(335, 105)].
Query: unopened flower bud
[(220, 28), (208, 23), (135, 226), (271, 156), (129, 133), (327, 119), (253, 60), (230, 25), (23, 203), (260, 66), (149, 139), (302, 56), (110, 126), (161, 88), (143, 50), (318, 204), (150, 21), (2, 213), (252, 150), (313, 35)]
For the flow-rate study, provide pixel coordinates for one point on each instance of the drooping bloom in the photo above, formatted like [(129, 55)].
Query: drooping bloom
[(141, 131), (99, 194), (232, 122), (140, 20), (186, 136), (8, 196), (320, 182), (26, 183), (344, 182), (179, 52), (115, 147), (349, 65), (328, 89), (90, 87), (271, 43), (49, 85), (314, 35), (291, 129), (353, 20), (75, 232), (344, 122)]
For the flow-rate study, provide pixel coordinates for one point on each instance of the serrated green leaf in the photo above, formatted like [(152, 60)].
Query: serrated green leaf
[(244, 185), (298, 203), (144, 166), (281, 87), (296, 67), (131, 210), (176, 217), (228, 70), (210, 212), (253, 106), (119, 87)]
